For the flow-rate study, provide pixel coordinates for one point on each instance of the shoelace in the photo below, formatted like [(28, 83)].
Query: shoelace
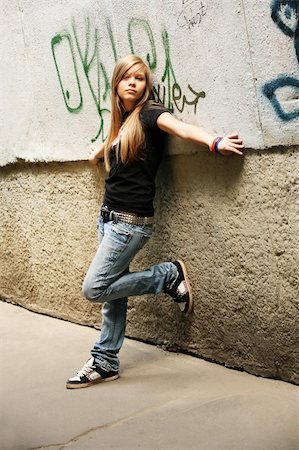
[(170, 287), (181, 289), (178, 291), (86, 369)]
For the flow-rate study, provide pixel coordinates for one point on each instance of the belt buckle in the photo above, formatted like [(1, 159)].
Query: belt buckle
[(105, 213), (113, 216)]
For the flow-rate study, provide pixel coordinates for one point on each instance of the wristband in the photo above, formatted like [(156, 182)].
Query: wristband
[(214, 145)]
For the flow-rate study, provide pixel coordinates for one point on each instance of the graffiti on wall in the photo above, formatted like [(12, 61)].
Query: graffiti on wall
[(285, 14), (192, 14), (68, 47)]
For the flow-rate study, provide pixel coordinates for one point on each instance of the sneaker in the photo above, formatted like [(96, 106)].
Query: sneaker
[(91, 373), (180, 289)]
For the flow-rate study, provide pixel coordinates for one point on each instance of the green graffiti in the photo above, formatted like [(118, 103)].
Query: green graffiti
[(110, 32), (58, 40), (168, 74), (140, 24), (90, 59), (168, 91)]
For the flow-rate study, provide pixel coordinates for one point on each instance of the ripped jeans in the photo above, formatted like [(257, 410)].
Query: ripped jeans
[(109, 281)]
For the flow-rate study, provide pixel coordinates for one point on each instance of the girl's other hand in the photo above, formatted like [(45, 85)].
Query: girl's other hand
[(231, 144), (92, 156)]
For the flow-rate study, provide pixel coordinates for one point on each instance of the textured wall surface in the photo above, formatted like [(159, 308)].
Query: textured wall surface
[(234, 221), (228, 65)]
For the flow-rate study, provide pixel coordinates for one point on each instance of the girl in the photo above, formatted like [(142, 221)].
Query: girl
[(132, 153)]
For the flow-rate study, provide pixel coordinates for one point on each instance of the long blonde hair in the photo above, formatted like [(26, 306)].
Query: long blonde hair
[(132, 135)]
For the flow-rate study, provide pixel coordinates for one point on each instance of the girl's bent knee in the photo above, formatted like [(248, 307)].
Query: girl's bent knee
[(94, 295)]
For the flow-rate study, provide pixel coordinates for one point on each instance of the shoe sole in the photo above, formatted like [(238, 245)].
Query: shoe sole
[(184, 269), (90, 383)]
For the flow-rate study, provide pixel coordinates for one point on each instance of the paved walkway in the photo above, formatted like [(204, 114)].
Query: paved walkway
[(162, 400)]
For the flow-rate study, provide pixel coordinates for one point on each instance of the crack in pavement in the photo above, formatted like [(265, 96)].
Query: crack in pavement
[(112, 424)]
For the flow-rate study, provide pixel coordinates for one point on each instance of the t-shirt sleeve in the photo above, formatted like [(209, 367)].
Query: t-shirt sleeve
[(151, 112)]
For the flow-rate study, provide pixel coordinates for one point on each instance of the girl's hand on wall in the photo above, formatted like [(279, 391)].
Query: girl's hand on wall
[(93, 159), (93, 156), (231, 144)]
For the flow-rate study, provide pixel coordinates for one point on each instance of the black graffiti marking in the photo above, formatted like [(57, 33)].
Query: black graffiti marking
[(159, 94), (177, 96), (192, 14)]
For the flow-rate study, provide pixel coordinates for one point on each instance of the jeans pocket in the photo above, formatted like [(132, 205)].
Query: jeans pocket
[(148, 230), (145, 233), (120, 233), (142, 241)]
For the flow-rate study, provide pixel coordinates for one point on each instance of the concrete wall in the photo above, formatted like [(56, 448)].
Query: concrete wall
[(230, 66)]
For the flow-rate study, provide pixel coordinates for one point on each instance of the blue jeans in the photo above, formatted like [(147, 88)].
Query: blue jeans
[(109, 281)]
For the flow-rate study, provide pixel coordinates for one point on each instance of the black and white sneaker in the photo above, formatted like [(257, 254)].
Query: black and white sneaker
[(91, 373), (180, 289)]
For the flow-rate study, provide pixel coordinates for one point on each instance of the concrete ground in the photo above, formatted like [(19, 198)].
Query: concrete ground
[(162, 400)]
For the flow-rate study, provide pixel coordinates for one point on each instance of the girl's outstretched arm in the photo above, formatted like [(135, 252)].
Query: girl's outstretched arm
[(226, 145)]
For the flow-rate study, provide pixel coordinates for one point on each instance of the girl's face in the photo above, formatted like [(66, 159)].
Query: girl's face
[(131, 88)]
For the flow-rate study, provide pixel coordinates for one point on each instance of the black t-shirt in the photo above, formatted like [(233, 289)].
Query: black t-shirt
[(131, 187)]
